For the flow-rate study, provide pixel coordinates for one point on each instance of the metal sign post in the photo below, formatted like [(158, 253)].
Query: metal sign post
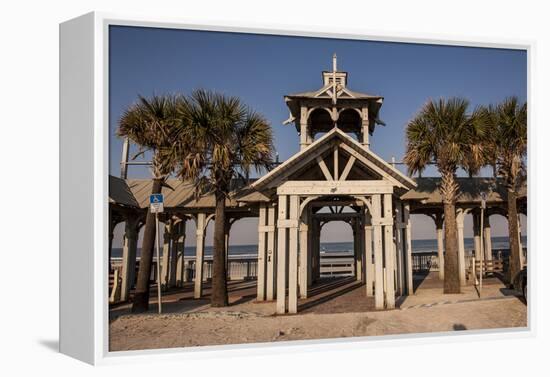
[(156, 205)]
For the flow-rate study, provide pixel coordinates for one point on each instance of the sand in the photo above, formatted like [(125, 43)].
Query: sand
[(249, 322)]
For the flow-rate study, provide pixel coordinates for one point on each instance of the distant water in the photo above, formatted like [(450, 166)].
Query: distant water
[(418, 246)]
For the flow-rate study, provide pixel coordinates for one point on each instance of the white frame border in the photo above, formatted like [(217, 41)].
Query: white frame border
[(102, 21)]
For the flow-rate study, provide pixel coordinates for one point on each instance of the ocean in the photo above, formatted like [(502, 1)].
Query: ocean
[(418, 246)]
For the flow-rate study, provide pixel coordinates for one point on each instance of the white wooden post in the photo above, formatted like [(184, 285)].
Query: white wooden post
[(399, 247), (293, 254), (166, 248), (199, 254), (408, 253), (477, 234), (129, 250), (368, 254), (487, 238), (281, 255), (460, 235), (174, 251), (310, 248), (440, 245), (378, 259), (271, 254), (303, 265), (180, 270), (261, 253), (389, 252)]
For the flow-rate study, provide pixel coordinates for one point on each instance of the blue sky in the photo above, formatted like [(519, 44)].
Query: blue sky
[(261, 69)]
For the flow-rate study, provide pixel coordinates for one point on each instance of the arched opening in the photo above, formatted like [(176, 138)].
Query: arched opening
[(349, 121), (320, 122), (337, 244)]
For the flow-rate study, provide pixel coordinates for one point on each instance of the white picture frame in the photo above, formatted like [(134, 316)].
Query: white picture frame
[(84, 179)]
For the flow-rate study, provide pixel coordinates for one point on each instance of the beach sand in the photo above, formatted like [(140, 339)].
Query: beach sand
[(190, 323)]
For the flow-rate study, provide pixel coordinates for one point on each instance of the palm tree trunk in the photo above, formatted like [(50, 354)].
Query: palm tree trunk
[(141, 296), (219, 273), (448, 190), (452, 275), (513, 236)]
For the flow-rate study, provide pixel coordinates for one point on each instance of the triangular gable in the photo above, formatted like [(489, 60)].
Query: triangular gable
[(307, 161), (327, 91)]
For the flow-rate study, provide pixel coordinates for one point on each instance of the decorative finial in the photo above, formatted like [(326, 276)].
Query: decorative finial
[(334, 69)]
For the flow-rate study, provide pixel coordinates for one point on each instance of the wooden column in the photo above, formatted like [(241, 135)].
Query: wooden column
[(129, 249), (303, 257), (408, 252), (378, 256), (166, 249), (460, 236), (262, 235), (399, 249), (174, 254), (477, 234), (369, 266), (389, 252), (294, 211), (310, 246), (271, 254), (522, 258), (180, 270), (199, 254), (488, 245), (281, 255), (440, 244), (304, 132), (365, 126)]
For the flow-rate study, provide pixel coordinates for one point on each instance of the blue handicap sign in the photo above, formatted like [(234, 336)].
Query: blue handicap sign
[(156, 198)]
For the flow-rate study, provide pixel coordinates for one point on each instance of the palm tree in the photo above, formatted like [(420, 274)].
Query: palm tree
[(508, 147), (150, 123), (228, 140), (445, 134)]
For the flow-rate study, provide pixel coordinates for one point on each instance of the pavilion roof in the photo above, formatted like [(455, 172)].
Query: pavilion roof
[(470, 189), (177, 193)]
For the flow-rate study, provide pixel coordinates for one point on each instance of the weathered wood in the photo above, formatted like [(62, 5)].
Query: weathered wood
[(378, 260), (347, 168), (129, 249), (199, 254), (293, 255), (399, 248), (281, 257), (369, 267), (303, 255), (324, 168), (408, 253), (460, 235), (371, 165), (271, 272), (261, 253), (335, 187), (336, 168), (389, 255)]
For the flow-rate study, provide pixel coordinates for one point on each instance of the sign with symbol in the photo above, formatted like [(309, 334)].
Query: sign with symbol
[(156, 203)]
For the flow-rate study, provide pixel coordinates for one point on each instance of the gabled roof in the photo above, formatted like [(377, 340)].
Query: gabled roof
[(343, 93), (310, 153)]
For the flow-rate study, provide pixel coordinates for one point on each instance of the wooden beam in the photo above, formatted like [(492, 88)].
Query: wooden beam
[(336, 169), (324, 168), (347, 169), (335, 187), (371, 164)]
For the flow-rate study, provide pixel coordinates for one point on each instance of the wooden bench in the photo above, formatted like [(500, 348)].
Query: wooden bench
[(489, 267)]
